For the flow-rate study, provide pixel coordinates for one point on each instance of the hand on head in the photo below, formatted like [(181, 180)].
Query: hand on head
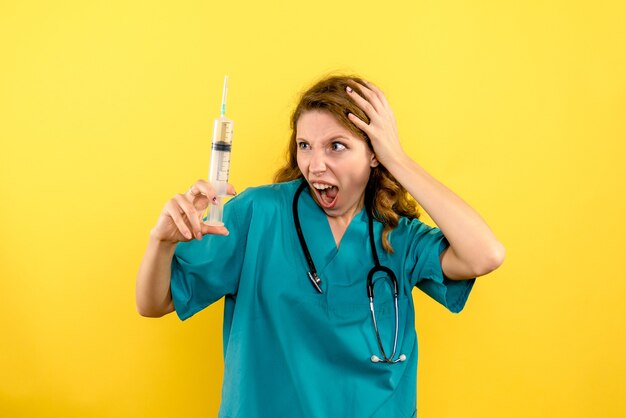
[(382, 128)]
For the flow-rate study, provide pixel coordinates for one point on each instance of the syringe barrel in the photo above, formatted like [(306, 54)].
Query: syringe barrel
[(220, 165), (216, 212)]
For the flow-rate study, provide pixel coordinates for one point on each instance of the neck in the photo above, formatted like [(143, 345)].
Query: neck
[(339, 224), (345, 218)]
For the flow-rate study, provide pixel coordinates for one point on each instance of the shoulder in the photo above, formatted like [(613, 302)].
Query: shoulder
[(268, 193), (412, 230), (407, 225), (265, 198)]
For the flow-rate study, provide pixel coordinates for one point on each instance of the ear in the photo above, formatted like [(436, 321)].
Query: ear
[(374, 162)]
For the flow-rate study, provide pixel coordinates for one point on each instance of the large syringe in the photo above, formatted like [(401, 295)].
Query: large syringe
[(220, 159)]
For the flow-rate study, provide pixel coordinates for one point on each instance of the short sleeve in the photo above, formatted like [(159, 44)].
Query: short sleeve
[(424, 269), (204, 271)]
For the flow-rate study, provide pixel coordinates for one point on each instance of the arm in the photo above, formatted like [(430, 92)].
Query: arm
[(179, 221), (474, 250), (153, 295)]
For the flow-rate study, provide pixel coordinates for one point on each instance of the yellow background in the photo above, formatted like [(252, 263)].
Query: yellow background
[(106, 111)]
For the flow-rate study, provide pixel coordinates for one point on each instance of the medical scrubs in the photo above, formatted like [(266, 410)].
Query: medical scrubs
[(290, 351)]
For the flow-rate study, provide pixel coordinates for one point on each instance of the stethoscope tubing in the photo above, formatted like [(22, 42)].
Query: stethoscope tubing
[(317, 282), (312, 273)]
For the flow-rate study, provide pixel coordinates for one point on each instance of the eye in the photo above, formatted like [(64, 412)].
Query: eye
[(303, 145), (338, 146)]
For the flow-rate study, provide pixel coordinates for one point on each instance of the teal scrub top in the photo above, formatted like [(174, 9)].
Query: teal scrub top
[(290, 351)]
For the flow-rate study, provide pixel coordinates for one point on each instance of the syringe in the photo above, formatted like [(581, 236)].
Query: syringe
[(220, 159)]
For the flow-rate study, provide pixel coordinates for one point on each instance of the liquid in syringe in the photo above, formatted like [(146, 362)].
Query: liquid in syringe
[(220, 159)]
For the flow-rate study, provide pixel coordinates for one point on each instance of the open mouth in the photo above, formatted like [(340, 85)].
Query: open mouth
[(326, 194)]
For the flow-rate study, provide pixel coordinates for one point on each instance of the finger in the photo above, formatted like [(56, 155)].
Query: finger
[(379, 93), (196, 197), (201, 202), (215, 230), (208, 191), (200, 194), (362, 125), (365, 105), (193, 191), (370, 97), (205, 188), (193, 216), (173, 210), (201, 187)]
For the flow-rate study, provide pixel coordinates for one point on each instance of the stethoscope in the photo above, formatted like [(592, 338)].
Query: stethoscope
[(317, 282)]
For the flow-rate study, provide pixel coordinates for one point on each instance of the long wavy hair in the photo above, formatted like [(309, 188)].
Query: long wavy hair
[(385, 198)]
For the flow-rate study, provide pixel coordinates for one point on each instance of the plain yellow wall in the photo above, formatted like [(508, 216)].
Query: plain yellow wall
[(106, 111)]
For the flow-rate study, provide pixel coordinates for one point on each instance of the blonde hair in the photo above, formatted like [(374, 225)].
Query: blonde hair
[(387, 199)]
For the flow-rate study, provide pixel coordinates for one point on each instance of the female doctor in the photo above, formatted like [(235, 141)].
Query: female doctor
[(317, 269)]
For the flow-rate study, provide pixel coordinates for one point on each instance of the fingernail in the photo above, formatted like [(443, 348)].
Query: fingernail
[(349, 89), (199, 236), (188, 234)]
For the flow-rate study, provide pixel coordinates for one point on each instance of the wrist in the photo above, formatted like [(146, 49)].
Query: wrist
[(397, 162), (155, 240)]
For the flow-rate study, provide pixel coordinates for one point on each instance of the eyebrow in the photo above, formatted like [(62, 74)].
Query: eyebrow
[(328, 140)]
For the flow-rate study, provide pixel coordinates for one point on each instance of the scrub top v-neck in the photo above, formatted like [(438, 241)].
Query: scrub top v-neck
[(290, 351)]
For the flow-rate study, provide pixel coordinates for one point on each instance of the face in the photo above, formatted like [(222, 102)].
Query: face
[(334, 161)]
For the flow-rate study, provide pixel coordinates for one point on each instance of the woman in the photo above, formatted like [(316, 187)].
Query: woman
[(302, 338)]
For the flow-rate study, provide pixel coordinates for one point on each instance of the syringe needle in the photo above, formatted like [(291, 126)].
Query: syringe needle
[(224, 93)]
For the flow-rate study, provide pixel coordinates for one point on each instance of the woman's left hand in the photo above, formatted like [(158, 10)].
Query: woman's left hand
[(382, 129)]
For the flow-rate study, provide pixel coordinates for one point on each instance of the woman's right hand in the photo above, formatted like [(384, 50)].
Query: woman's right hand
[(181, 217)]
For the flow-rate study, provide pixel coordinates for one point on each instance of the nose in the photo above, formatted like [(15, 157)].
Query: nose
[(317, 164)]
